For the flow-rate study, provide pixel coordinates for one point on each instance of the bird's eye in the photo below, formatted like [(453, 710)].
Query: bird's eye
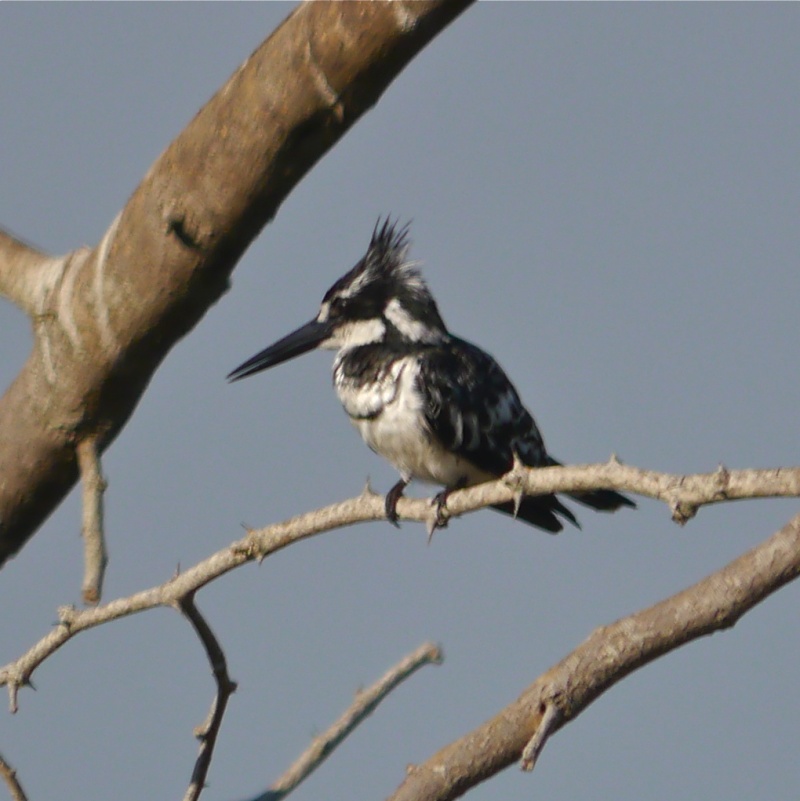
[(336, 307)]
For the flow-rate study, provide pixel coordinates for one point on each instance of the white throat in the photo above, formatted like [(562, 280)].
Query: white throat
[(357, 332)]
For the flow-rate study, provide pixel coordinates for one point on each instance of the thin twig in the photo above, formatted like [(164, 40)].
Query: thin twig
[(10, 777), (606, 657), (94, 546), (364, 704), (207, 732)]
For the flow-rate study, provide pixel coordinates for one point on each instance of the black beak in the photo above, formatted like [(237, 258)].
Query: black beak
[(306, 338)]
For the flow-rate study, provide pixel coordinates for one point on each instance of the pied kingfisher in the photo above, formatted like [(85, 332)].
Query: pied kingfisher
[(438, 408)]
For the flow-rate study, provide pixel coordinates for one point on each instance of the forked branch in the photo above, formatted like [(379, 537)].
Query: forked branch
[(522, 729)]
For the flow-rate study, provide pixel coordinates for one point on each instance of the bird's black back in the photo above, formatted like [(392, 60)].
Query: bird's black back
[(474, 410)]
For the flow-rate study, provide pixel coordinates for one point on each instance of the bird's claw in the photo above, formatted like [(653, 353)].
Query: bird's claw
[(390, 502), (441, 516)]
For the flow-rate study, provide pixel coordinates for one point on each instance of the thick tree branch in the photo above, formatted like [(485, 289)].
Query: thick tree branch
[(364, 704), (607, 656), (105, 317), (369, 506)]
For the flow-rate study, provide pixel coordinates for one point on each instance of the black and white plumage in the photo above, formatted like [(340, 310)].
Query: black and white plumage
[(440, 409)]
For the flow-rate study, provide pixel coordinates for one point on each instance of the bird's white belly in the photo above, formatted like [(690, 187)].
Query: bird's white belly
[(389, 416), (412, 450)]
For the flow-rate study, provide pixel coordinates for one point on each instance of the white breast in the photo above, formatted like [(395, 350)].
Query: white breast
[(389, 416)]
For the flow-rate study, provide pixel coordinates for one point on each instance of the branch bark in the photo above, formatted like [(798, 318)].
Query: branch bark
[(606, 657), (23, 271), (105, 317)]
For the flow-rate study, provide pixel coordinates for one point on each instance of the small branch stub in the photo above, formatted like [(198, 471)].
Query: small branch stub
[(95, 554), (551, 720)]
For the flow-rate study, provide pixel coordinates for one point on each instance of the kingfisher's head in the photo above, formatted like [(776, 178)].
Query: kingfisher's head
[(382, 299)]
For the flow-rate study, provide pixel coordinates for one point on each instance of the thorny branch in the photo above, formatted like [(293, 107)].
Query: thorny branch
[(12, 782), (207, 732), (679, 492), (364, 704)]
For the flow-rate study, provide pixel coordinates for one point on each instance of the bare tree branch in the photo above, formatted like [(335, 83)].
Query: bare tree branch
[(369, 506), (95, 556), (24, 273), (207, 732), (105, 317), (364, 704), (684, 494), (12, 782), (606, 657)]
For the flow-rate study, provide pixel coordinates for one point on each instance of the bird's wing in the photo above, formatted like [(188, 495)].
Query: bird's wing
[(473, 409)]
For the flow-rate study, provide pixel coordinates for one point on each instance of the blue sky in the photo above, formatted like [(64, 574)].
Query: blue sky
[(605, 198)]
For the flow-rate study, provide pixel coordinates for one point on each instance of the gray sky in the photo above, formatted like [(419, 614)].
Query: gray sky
[(604, 197)]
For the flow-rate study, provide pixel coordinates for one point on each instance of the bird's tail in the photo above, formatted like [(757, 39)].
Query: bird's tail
[(540, 511), (543, 510), (599, 500)]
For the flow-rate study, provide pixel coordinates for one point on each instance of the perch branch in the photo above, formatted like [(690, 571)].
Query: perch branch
[(207, 732), (683, 494), (607, 656), (364, 704), (369, 506)]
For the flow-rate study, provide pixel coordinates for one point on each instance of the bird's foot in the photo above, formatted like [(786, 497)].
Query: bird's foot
[(441, 515), (390, 502)]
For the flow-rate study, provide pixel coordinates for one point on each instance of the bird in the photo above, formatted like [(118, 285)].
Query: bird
[(437, 407)]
